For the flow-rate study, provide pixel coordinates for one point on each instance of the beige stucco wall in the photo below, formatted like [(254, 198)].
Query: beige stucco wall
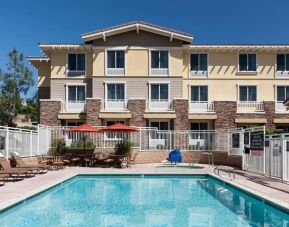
[(137, 62), (98, 62), (44, 74), (176, 62)]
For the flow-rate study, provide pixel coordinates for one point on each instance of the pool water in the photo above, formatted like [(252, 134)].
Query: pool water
[(143, 201)]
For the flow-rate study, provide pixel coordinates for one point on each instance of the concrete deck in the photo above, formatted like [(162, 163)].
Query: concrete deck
[(271, 190)]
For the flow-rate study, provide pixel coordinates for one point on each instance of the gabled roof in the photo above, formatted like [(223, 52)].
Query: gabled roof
[(137, 25)]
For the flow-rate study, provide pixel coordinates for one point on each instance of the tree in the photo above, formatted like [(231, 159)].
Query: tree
[(31, 108), (15, 82)]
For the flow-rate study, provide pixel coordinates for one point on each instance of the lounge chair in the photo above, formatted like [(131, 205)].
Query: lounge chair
[(15, 172), (20, 163), (3, 178)]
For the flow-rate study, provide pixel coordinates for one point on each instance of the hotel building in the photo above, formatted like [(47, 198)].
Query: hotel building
[(152, 76)]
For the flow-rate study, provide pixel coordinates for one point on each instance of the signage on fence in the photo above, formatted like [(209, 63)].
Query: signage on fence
[(246, 138), (2, 142), (257, 140), (256, 152), (235, 140)]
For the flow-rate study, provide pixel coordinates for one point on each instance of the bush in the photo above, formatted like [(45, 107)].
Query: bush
[(124, 147), (58, 147), (80, 143), (161, 147)]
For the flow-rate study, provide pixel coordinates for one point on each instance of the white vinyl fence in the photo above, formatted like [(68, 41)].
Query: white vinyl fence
[(25, 142)]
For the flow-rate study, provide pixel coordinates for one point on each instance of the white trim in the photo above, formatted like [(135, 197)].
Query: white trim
[(114, 83), (76, 71), (150, 68), (74, 84), (198, 74), (116, 69), (278, 73), (158, 82), (136, 48), (238, 63), (257, 98)]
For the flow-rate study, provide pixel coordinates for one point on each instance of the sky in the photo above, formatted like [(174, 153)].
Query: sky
[(24, 24)]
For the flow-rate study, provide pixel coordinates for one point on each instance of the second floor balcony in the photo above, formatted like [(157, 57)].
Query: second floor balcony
[(114, 104), (250, 107), (201, 106), (159, 105), (74, 106), (280, 107)]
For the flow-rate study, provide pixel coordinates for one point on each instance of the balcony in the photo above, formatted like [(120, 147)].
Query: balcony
[(114, 104), (280, 108), (159, 105), (74, 106), (201, 107), (250, 107)]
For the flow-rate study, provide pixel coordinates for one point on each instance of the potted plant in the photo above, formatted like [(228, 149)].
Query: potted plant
[(124, 147)]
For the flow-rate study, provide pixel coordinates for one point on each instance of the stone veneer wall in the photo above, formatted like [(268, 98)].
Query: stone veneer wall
[(49, 111), (93, 107), (137, 108), (181, 107), (226, 111)]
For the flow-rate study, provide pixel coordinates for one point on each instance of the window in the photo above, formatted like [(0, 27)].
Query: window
[(76, 94), (159, 62), (199, 62), (115, 62), (115, 91), (160, 125), (76, 62), (282, 93), (247, 62), (159, 91), (199, 93), (247, 94), (199, 126), (282, 62)]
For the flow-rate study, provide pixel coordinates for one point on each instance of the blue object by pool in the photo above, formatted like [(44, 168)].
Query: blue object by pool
[(175, 156), (143, 201)]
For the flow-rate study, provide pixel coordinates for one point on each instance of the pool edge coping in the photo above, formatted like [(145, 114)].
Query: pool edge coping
[(249, 191)]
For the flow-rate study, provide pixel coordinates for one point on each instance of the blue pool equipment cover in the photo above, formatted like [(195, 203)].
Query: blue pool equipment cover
[(175, 156)]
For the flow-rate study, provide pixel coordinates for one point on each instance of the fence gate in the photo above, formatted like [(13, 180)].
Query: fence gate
[(253, 152)]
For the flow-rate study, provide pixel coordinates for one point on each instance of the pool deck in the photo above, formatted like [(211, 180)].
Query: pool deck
[(271, 190)]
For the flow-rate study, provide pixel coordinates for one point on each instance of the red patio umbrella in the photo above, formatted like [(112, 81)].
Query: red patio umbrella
[(119, 127), (86, 128)]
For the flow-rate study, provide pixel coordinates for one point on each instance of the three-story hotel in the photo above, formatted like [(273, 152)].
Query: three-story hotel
[(152, 76)]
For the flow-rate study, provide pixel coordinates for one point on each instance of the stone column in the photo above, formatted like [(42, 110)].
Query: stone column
[(269, 108), (226, 113), (48, 112), (93, 107), (137, 108), (181, 107)]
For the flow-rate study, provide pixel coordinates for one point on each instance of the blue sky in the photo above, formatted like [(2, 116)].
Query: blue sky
[(25, 23)]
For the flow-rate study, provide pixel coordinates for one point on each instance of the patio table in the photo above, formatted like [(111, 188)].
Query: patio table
[(117, 159)]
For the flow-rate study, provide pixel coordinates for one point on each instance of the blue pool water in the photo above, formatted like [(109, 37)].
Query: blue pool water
[(143, 201)]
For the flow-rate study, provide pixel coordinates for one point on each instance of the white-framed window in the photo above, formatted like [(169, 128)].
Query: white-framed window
[(159, 62), (160, 125), (282, 64), (76, 64), (247, 93), (159, 92), (199, 126), (115, 91), (115, 62), (198, 64), (282, 93), (199, 93), (247, 62), (76, 93)]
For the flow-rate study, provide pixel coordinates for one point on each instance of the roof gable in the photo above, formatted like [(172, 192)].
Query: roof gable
[(137, 26)]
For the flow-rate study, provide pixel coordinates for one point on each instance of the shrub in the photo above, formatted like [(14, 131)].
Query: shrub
[(58, 147), (124, 147), (161, 147)]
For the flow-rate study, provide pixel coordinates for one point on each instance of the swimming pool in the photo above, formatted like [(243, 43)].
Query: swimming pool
[(143, 200)]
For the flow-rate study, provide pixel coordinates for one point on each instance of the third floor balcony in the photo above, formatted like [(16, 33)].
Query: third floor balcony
[(159, 105)]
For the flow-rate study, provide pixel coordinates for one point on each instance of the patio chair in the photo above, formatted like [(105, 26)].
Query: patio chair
[(133, 158), (40, 168), (15, 172), (3, 178)]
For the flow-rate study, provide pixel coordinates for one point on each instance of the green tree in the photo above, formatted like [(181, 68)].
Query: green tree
[(31, 108), (16, 81)]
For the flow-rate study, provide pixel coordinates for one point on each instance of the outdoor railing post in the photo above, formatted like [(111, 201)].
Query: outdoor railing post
[(7, 143), (38, 138), (31, 146)]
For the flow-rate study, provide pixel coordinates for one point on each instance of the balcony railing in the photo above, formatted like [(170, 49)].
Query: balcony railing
[(201, 106), (159, 105), (250, 107), (280, 108), (114, 104), (74, 106)]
